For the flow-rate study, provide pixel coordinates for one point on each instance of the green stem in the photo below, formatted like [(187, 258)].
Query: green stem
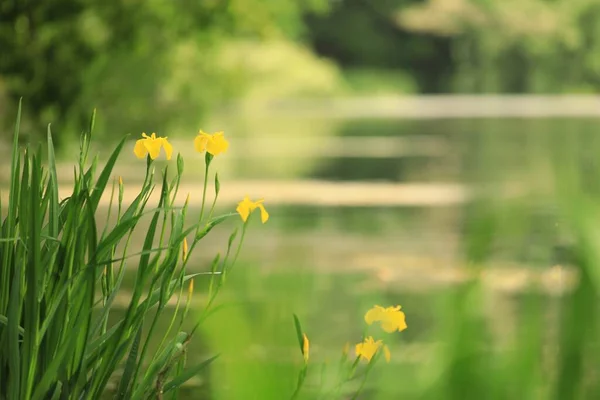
[(237, 253), (369, 368), (336, 390), (221, 282), (362, 384), (301, 378), (212, 208), (207, 163), (145, 348)]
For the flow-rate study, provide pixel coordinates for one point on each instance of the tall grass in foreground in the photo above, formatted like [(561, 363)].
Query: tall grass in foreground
[(59, 276), (62, 336)]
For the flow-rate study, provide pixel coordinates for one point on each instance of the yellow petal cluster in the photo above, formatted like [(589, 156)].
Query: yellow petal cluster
[(369, 347), (214, 144), (151, 145), (246, 206), (391, 318)]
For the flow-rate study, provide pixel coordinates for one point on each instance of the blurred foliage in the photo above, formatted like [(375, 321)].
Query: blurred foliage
[(364, 34), (161, 65), (533, 46), (475, 46), (140, 62)]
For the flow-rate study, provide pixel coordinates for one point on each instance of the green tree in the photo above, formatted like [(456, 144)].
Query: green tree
[(515, 46), (66, 57)]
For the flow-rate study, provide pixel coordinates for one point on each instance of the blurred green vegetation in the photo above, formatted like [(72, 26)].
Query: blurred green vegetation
[(167, 66), (146, 65), (472, 46)]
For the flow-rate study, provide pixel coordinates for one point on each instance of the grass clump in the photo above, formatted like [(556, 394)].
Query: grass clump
[(60, 273)]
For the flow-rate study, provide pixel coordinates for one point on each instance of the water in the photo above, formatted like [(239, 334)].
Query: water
[(329, 264)]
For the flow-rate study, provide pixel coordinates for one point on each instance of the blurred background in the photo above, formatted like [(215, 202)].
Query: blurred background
[(438, 154)]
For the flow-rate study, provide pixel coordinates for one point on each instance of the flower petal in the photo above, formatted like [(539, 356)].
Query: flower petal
[(399, 320), (200, 143), (140, 150), (243, 209), (153, 147), (264, 215), (374, 314), (168, 148), (217, 144), (389, 326), (359, 351), (387, 354)]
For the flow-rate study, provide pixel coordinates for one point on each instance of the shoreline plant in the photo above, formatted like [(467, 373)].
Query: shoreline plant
[(62, 267)]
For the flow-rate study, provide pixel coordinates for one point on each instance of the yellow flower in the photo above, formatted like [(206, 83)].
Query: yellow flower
[(391, 318), (370, 347), (246, 206), (151, 145), (191, 289), (305, 347), (184, 249), (214, 144)]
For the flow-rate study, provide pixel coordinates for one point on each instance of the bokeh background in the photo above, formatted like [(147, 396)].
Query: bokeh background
[(438, 154)]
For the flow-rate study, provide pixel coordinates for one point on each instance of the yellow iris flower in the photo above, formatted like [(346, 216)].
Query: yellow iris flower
[(305, 347), (214, 144), (367, 349), (151, 145), (391, 318), (246, 206)]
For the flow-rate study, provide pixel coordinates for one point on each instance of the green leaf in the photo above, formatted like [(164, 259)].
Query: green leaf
[(105, 175), (217, 184), (187, 375), (92, 122), (167, 355), (44, 384), (179, 164), (116, 235), (4, 321), (33, 275), (57, 391), (211, 224), (14, 313), (299, 333), (151, 300), (125, 383), (53, 188)]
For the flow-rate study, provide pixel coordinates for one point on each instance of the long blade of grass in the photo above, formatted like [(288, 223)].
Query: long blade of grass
[(14, 314), (32, 275), (299, 333), (105, 175), (53, 187), (123, 332), (4, 321), (130, 365), (9, 223), (187, 375)]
